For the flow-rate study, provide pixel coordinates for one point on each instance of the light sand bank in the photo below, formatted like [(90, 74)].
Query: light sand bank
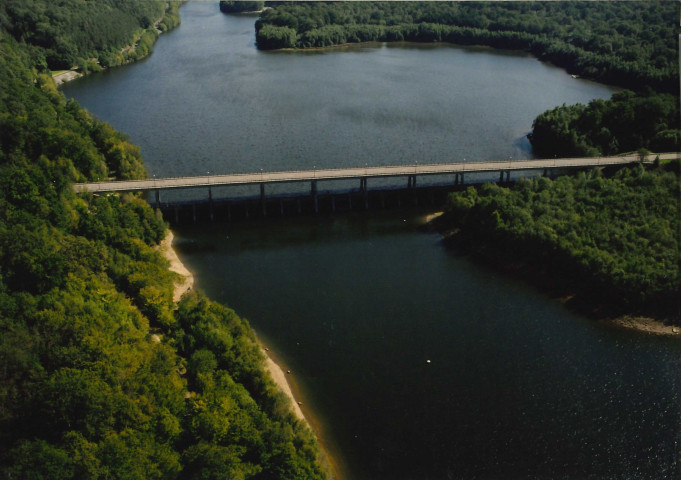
[(66, 77), (644, 324), (186, 281), (279, 378)]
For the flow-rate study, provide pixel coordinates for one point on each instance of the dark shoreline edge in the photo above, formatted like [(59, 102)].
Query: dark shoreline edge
[(553, 282)]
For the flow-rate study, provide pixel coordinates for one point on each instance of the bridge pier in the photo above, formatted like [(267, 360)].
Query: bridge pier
[(313, 192), (501, 176), (262, 200), (411, 181), (158, 198), (365, 192), (210, 203)]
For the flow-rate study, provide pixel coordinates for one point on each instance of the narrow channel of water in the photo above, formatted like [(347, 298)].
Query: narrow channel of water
[(357, 304)]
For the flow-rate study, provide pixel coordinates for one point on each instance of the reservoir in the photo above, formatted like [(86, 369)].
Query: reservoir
[(414, 361)]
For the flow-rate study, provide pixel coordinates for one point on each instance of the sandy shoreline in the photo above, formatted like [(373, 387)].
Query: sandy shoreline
[(187, 282), (644, 324), (66, 77)]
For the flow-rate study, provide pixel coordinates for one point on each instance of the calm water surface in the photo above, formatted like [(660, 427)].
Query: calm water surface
[(356, 305)]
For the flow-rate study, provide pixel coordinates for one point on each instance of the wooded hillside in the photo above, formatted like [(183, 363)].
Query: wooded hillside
[(102, 375)]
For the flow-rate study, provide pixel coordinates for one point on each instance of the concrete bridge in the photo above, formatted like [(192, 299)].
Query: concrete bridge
[(411, 172)]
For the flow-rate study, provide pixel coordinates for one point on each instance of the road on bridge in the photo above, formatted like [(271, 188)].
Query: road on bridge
[(361, 172)]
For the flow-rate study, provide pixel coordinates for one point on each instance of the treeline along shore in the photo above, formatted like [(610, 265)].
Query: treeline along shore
[(103, 374), (630, 44), (606, 242)]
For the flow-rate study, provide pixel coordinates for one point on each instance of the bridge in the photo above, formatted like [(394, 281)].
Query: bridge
[(410, 172)]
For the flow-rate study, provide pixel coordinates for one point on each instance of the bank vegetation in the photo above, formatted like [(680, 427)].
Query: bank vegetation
[(607, 240), (102, 375)]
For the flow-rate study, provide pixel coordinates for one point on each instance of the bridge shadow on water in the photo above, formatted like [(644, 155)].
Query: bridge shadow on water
[(290, 205)]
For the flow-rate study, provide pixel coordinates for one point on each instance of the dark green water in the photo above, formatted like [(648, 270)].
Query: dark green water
[(516, 386), (355, 305)]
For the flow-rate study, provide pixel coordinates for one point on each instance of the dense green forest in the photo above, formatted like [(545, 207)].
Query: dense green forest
[(613, 239), (625, 123), (229, 6), (102, 375), (87, 34), (631, 44)]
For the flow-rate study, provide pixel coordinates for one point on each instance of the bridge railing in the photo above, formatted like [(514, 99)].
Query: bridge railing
[(358, 172)]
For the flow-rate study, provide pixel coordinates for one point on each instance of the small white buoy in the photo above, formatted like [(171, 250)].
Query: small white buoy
[(427, 361)]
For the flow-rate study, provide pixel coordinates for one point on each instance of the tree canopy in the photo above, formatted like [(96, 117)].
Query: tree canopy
[(614, 239), (625, 123), (103, 376), (82, 32)]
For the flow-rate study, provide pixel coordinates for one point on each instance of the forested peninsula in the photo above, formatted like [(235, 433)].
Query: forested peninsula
[(606, 240), (103, 375)]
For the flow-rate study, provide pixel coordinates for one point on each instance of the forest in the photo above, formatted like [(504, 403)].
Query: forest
[(630, 44), (610, 237), (229, 6), (103, 376), (88, 35), (625, 123)]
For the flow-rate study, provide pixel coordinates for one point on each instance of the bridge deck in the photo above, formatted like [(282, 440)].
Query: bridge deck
[(354, 173)]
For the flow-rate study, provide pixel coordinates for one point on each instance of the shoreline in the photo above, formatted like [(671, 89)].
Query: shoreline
[(184, 284), (573, 301)]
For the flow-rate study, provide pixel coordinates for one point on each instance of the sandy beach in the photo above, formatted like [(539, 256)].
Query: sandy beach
[(644, 324), (66, 77)]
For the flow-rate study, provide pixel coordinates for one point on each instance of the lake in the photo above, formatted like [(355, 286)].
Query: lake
[(413, 361)]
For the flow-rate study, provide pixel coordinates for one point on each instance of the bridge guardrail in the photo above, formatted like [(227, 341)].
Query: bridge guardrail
[(357, 172)]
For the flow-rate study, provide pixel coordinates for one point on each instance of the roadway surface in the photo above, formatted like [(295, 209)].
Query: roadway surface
[(361, 172)]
